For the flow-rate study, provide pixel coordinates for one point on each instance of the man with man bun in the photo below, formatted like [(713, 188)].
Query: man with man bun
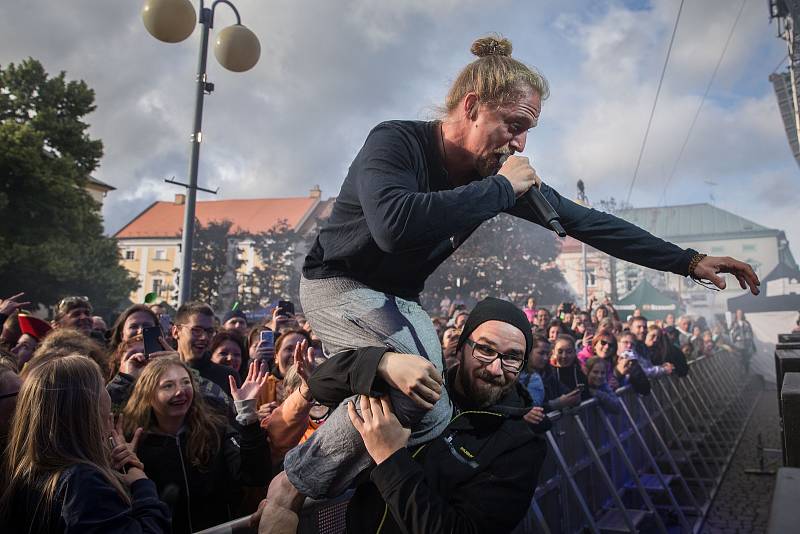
[(413, 194)]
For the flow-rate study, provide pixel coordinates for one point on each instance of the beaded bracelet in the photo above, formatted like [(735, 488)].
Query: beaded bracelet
[(696, 259)]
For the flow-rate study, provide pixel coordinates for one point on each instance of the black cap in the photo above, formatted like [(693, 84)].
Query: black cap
[(234, 313), (492, 309)]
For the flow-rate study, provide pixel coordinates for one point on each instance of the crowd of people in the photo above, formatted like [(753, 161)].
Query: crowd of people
[(178, 422), (102, 433)]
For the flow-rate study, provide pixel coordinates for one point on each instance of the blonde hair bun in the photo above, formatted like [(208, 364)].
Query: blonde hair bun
[(494, 45)]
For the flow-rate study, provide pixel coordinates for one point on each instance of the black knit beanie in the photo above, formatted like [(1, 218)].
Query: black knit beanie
[(234, 313), (492, 309)]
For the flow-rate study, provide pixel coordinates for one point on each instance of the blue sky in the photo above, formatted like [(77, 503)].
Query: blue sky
[(329, 71)]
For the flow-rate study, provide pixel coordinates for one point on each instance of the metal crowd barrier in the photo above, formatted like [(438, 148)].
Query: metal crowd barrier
[(654, 466)]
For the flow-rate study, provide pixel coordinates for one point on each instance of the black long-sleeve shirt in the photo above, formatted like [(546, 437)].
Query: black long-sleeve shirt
[(398, 217)]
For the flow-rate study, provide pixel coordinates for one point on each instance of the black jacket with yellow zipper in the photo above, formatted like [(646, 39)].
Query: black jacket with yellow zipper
[(478, 476)]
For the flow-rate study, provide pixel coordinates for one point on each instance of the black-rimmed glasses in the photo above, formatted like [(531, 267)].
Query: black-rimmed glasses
[(485, 354)]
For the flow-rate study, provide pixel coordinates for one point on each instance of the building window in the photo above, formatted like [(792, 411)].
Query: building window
[(160, 254), (130, 254), (591, 276), (748, 248), (158, 284)]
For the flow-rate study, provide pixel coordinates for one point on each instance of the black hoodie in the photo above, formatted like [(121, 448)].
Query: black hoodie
[(478, 476)]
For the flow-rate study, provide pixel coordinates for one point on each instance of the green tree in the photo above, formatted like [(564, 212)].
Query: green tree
[(211, 259), (505, 257), (278, 277), (51, 232)]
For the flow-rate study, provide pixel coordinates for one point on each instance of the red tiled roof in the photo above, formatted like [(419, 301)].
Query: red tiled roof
[(165, 219)]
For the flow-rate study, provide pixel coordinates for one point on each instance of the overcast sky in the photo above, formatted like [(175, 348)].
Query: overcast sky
[(330, 70)]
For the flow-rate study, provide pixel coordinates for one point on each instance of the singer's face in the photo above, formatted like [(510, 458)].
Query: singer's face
[(495, 131)]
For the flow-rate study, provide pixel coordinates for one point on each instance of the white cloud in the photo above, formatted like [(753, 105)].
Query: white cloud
[(329, 71)]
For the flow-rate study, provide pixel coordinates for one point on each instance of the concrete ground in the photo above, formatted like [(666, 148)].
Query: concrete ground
[(743, 501)]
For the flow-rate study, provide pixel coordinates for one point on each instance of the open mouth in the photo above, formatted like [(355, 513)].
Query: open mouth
[(178, 402)]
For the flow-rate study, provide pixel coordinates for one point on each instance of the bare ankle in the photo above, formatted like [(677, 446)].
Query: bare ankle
[(282, 493)]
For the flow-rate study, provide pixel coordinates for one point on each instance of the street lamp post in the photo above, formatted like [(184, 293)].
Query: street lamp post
[(237, 49)]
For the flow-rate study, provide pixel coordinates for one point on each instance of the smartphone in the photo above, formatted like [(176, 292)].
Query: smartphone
[(151, 343), (287, 308), (267, 338)]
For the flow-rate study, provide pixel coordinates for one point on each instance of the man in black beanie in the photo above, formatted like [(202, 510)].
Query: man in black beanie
[(235, 321), (480, 474)]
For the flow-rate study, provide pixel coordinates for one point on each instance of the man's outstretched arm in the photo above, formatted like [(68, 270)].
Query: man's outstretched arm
[(626, 241)]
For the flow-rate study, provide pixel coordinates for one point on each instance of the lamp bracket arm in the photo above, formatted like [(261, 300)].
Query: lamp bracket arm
[(209, 13)]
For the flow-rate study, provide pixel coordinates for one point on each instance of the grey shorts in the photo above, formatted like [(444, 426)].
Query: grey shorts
[(346, 314)]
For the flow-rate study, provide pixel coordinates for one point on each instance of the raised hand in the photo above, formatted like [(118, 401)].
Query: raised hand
[(132, 363), (710, 266), (303, 358), (11, 304), (256, 376), (123, 453), (382, 432)]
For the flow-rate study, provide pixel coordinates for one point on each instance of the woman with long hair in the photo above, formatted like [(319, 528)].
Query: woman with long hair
[(58, 472), (130, 323), (199, 463), (564, 361)]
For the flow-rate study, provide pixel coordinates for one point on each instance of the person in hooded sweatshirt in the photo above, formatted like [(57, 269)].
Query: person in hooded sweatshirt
[(201, 465)]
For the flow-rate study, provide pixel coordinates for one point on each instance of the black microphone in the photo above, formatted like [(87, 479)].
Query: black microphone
[(541, 207)]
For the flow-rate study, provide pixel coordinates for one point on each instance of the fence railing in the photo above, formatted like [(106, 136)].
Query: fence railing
[(655, 466)]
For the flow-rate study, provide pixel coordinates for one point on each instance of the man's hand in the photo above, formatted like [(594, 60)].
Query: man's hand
[(382, 433), (535, 416), (413, 375), (10, 305), (668, 367), (710, 266), (256, 376), (518, 171)]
